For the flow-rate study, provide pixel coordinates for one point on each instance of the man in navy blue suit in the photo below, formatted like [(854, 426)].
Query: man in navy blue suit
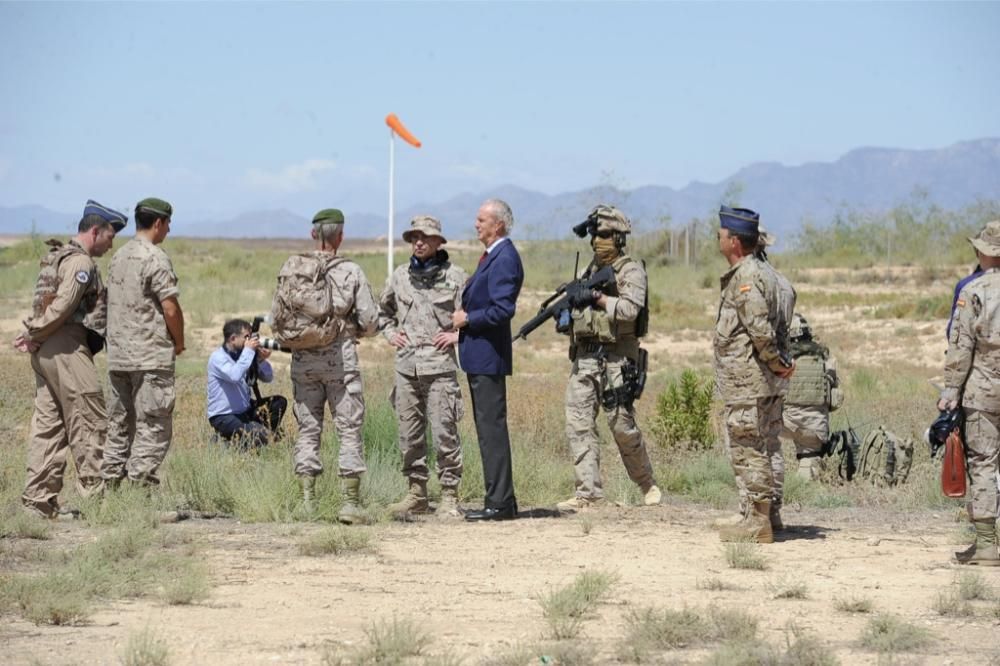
[(484, 351)]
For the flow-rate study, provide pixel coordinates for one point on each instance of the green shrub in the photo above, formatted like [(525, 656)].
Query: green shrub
[(683, 413)]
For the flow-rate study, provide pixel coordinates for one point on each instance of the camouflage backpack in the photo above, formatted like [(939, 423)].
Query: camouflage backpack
[(845, 448), (303, 309), (885, 459)]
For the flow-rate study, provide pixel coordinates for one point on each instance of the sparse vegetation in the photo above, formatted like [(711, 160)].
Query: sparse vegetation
[(715, 585), (972, 585), (788, 589), (744, 555), (651, 630), (566, 608), (145, 648), (949, 604), (853, 604), (888, 633), (337, 541), (390, 642)]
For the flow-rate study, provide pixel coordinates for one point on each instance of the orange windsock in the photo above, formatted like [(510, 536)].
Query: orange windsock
[(393, 122)]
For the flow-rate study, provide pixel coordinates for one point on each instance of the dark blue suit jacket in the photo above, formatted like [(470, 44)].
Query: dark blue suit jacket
[(489, 300)]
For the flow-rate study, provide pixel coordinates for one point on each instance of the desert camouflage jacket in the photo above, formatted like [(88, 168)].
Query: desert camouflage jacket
[(747, 346), (421, 308), (972, 367), (68, 290), (140, 278)]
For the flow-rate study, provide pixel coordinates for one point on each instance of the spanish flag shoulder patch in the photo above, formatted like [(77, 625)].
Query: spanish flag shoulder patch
[(744, 288)]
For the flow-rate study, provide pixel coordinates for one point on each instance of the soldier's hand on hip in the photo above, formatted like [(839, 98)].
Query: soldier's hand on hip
[(445, 339), (400, 340)]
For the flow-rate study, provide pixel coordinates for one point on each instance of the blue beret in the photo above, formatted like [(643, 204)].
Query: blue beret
[(117, 220), (740, 220)]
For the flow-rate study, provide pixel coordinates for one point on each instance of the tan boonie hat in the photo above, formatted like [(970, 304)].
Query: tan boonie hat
[(988, 240), (427, 225)]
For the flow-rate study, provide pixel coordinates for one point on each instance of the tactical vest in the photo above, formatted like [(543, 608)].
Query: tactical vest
[(592, 326), (92, 311), (808, 386)]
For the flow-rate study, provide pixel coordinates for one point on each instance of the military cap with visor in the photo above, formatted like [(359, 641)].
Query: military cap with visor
[(116, 219), (328, 216), (987, 241), (739, 220), (157, 207), (425, 224)]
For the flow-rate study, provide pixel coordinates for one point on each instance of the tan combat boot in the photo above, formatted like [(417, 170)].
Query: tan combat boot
[(308, 493), (755, 527), (651, 496), (984, 552), (350, 509), (415, 500), (729, 521), (448, 508), (574, 504)]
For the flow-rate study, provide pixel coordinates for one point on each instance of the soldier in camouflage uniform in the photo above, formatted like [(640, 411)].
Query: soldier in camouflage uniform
[(605, 331), (331, 374), (813, 393), (66, 328), (415, 317), (145, 335), (972, 380), (785, 297), (752, 364)]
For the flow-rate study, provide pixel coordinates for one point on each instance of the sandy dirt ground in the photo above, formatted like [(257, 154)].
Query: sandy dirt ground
[(475, 587)]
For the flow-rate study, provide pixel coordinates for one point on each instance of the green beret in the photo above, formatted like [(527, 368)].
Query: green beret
[(154, 205), (329, 216)]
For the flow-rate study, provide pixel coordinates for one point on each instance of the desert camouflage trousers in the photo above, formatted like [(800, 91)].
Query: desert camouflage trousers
[(140, 424), (69, 417), (587, 382), (808, 428), (319, 378), (982, 448), (751, 432), (434, 400)]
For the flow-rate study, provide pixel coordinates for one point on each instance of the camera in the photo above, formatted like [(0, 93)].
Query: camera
[(266, 343)]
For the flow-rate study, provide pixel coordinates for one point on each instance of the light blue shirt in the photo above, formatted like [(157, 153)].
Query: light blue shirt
[(228, 391)]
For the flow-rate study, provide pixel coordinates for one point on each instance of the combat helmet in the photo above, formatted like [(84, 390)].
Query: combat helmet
[(609, 218), (799, 328)]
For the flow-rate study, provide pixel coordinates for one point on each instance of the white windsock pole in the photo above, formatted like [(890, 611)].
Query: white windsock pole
[(395, 127), (392, 176)]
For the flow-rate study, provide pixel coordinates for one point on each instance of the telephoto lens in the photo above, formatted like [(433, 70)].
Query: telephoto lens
[(271, 343)]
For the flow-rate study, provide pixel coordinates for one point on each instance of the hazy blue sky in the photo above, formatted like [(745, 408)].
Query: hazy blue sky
[(227, 107)]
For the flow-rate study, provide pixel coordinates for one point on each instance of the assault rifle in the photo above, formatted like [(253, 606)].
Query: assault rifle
[(561, 299)]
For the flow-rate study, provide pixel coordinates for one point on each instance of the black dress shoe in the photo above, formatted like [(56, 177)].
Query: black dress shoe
[(506, 513)]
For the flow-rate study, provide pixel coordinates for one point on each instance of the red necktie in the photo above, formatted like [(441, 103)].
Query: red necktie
[(483, 258)]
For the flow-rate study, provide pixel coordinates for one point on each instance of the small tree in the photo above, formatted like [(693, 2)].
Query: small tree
[(683, 413)]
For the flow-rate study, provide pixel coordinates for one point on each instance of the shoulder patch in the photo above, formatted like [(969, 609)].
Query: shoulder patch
[(83, 277), (744, 288), (960, 303)]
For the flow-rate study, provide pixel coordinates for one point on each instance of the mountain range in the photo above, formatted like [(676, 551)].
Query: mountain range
[(865, 179)]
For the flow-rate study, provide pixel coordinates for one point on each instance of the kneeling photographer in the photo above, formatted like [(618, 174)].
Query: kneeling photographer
[(233, 370)]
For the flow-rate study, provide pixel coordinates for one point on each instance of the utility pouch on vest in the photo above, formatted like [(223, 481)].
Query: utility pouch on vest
[(592, 325)]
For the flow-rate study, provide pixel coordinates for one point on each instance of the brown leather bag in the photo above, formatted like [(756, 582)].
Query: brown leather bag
[(953, 476)]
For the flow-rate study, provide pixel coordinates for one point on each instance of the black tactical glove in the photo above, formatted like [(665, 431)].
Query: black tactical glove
[(580, 296)]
